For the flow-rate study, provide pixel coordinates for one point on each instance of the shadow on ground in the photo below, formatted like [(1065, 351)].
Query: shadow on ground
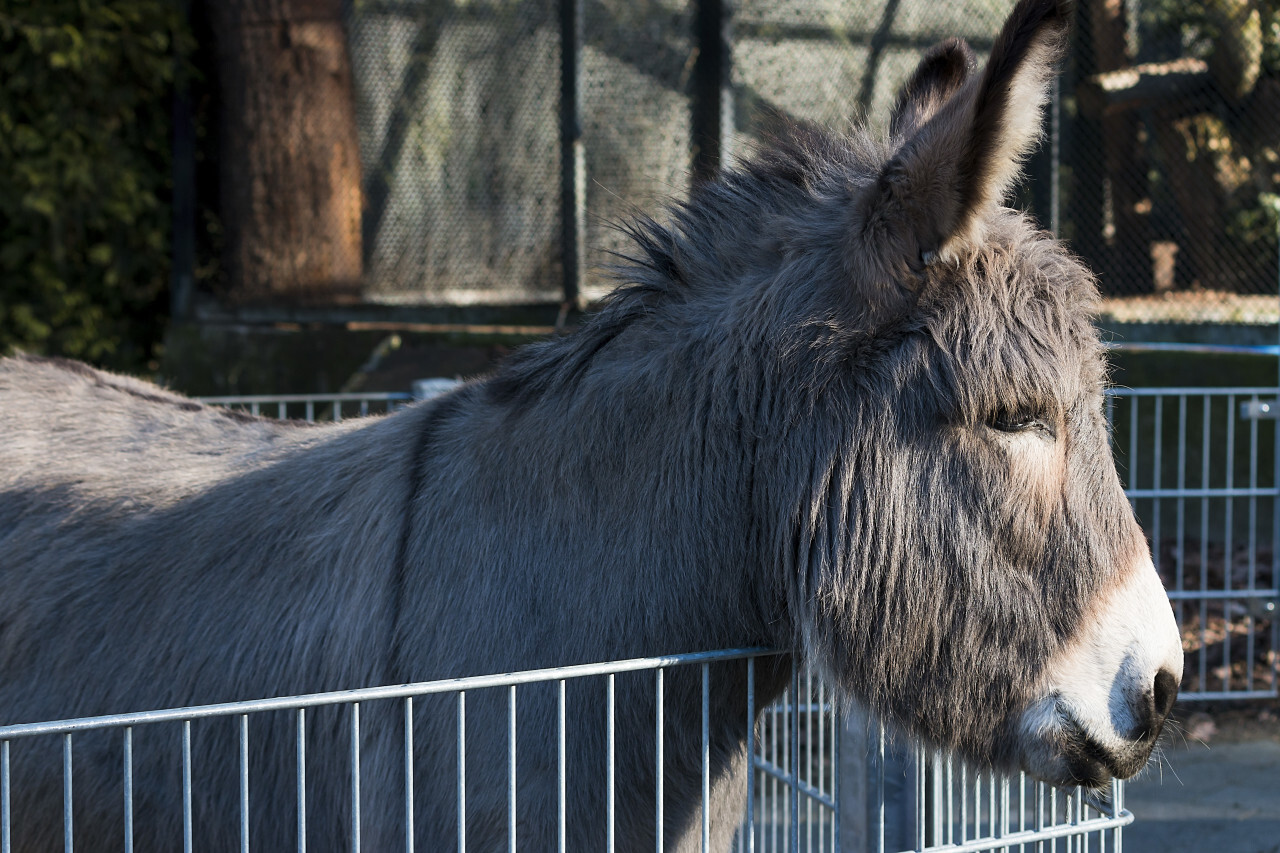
[(1217, 790)]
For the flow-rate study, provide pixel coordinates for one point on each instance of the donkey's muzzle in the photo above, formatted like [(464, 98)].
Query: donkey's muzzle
[(1091, 763), (1107, 694)]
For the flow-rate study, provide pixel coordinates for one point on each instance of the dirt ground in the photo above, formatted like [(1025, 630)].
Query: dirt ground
[(1216, 786)]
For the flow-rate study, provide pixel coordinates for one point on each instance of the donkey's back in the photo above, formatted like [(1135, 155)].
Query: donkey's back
[(107, 436)]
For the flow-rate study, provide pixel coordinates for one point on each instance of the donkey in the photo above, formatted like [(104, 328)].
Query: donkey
[(844, 404)]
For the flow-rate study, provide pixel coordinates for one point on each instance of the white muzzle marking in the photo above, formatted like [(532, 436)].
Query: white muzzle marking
[(1097, 695)]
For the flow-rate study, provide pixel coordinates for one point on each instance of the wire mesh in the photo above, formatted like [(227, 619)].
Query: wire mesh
[(1162, 169), (457, 105), (1170, 130)]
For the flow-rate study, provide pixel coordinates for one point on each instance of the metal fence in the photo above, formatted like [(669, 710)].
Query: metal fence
[(799, 787), (1200, 467), (499, 140)]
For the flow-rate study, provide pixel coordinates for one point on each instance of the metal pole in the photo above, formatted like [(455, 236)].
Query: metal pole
[(573, 168), (711, 124), (183, 239)]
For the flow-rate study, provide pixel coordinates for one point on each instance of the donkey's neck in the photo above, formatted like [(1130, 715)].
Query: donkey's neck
[(622, 520)]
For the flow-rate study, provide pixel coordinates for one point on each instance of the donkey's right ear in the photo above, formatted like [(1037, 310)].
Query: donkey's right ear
[(966, 143), (939, 75)]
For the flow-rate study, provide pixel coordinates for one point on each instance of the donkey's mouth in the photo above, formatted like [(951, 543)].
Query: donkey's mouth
[(1089, 764)]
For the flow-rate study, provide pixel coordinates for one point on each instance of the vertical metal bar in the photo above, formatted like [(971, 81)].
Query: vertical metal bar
[(808, 752), (302, 779), (355, 777), (244, 783), (774, 750), (658, 770), (935, 785), (750, 755), (6, 817), (1253, 546), (337, 410), (1273, 671), (408, 774), (281, 409), (794, 764), (183, 195), (1180, 554), (511, 766), (128, 789), (186, 786), (1156, 472), (951, 817), (611, 734), (67, 843), (922, 806), (836, 725), (711, 120), (254, 409), (1040, 806), (1228, 546), (1202, 656), (1004, 811), (462, 771), (311, 411), (1117, 806), (572, 158), (880, 794), (1134, 410), (706, 757), (561, 772)]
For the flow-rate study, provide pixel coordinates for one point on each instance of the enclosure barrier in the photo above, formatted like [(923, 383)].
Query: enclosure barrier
[(1201, 467), (799, 802), (794, 796)]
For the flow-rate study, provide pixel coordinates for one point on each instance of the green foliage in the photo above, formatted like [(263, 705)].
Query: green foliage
[(85, 91)]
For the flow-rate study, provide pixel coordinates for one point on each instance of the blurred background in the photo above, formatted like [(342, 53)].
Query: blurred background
[(261, 196)]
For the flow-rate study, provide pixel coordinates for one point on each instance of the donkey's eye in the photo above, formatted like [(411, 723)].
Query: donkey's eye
[(1022, 421)]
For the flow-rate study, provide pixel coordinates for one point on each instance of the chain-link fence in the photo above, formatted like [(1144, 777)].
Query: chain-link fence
[(501, 137)]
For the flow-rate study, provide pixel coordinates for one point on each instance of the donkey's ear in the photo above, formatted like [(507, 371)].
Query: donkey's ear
[(939, 75), (966, 155)]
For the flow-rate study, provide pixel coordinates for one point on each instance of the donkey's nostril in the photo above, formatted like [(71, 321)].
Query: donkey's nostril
[(1166, 690)]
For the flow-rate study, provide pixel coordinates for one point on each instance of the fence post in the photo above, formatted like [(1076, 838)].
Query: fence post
[(856, 794), (573, 166), (183, 238), (711, 125)]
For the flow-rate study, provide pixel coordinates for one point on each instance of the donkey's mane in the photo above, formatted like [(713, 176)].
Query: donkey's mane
[(708, 243), (729, 236)]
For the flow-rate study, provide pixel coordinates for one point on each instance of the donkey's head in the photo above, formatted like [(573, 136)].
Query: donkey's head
[(967, 561)]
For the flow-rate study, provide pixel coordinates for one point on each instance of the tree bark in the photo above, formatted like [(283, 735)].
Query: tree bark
[(290, 159)]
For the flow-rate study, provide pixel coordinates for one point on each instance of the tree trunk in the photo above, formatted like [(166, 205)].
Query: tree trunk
[(290, 159)]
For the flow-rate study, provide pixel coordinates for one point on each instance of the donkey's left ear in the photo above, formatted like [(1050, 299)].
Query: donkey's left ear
[(967, 155)]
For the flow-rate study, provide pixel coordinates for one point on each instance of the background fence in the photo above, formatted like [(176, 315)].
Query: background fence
[(500, 138)]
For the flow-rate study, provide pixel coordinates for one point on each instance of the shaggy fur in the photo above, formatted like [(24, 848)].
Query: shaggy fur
[(781, 430)]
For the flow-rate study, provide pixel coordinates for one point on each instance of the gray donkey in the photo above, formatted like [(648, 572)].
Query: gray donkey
[(844, 404)]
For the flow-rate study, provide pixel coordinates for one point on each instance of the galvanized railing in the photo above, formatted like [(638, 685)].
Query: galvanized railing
[(1200, 468), (795, 798), (780, 761)]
